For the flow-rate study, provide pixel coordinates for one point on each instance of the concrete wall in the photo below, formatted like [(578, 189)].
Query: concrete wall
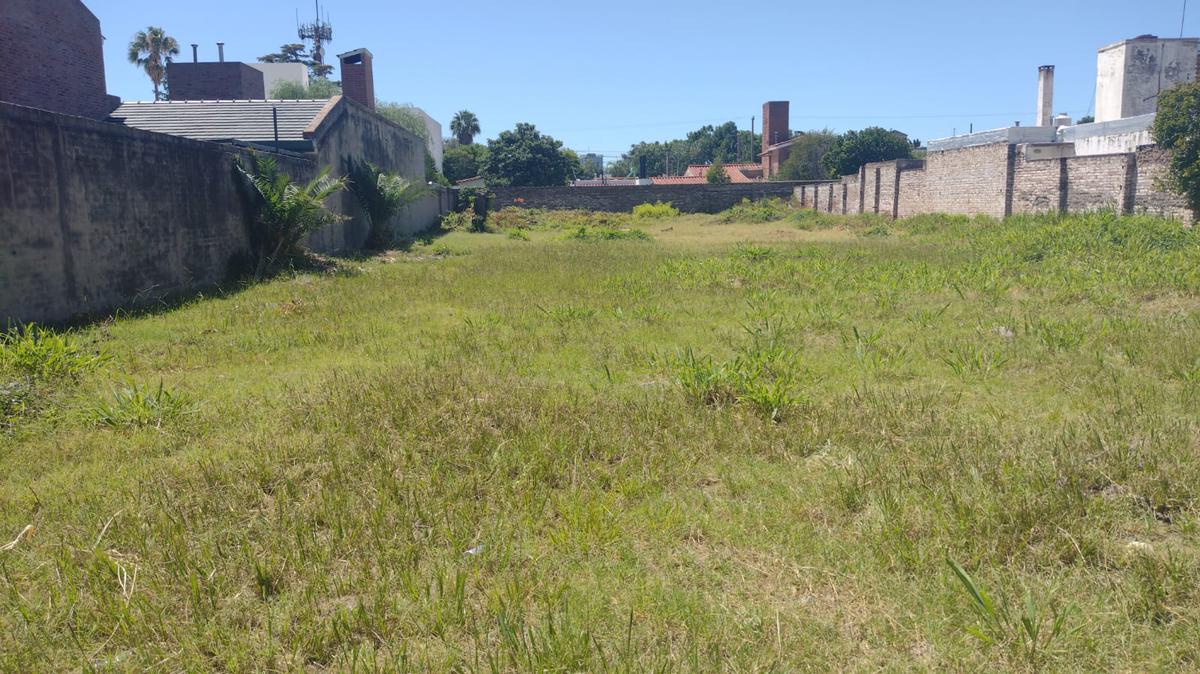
[(275, 73), (687, 198), (1131, 73), (352, 131), (60, 69), (95, 216)]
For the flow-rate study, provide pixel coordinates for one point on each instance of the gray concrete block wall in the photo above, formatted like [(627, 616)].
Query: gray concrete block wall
[(1151, 195), (1037, 185), (1097, 182), (970, 181)]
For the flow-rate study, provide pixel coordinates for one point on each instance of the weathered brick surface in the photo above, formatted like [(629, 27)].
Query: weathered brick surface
[(912, 197), (215, 81), (970, 181), (1152, 197), (1097, 182), (687, 198), (1037, 184), (60, 69)]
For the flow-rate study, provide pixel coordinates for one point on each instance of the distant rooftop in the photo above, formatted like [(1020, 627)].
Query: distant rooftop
[(243, 121)]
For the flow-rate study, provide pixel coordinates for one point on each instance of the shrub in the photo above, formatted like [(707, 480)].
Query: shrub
[(134, 406), (763, 210), (456, 221), (45, 355), (586, 233), (382, 195), (1177, 129), (716, 174), (517, 235), (281, 212), (655, 210)]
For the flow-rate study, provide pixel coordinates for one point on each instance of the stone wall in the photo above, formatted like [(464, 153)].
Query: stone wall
[(970, 181), (1098, 182), (60, 69), (1150, 195), (687, 198)]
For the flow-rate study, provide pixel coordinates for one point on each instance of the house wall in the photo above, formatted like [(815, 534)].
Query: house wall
[(61, 69)]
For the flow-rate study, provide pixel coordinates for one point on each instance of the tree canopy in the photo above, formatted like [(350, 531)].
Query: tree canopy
[(1177, 130), (716, 174), (804, 160), (855, 148), (525, 157), (460, 162), (702, 146), (465, 126)]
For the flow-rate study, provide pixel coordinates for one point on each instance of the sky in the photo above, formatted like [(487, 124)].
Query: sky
[(602, 75)]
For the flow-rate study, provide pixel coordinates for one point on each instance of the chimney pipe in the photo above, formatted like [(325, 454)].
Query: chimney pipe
[(195, 53), (221, 52), (1045, 111)]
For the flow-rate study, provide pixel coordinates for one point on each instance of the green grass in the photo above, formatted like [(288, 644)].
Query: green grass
[(964, 445)]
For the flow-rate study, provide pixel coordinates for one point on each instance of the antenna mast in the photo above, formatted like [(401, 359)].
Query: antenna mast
[(320, 32)]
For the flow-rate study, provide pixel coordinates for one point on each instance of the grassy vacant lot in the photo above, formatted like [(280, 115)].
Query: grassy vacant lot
[(733, 445)]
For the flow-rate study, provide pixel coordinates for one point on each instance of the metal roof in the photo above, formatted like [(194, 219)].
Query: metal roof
[(247, 121)]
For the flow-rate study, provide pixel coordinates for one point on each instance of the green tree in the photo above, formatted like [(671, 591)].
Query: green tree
[(406, 116), (1177, 129), (525, 157), (460, 162), (716, 174), (465, 126), (590, 165), (288, 53), (805, 156), (1086, 119), (294, 91), (151, 50), (855, 148)]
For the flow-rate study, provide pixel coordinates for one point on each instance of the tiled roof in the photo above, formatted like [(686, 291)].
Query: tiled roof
[(246, 121), (697, 174)]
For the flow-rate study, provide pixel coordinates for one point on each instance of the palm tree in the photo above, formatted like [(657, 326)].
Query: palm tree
[(151, 50), (464, 126)]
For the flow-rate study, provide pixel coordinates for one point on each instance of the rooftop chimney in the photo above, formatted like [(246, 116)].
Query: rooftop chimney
[(1045, 110), (221, 52), (358, 82), (775, 123), (195, 53)]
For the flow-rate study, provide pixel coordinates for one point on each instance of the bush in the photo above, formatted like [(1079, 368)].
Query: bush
[(764, 210), (458, 221), (281, 212), (1177, 129), (655, 210), (716, 174)]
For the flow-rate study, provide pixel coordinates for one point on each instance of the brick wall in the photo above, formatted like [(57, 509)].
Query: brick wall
[(1037, 184), (912, 198), (970, 181), (1097, 182), (687, 198), (212, 81), (1150, 195), (51, 57)]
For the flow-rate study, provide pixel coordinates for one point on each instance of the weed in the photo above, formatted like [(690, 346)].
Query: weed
[(46, 355), (586, 233), (516, 235), (970, 359), (134, 406), (764, 210)]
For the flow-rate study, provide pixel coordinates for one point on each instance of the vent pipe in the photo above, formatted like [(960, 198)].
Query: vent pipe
[(195, 53), (221, 52)]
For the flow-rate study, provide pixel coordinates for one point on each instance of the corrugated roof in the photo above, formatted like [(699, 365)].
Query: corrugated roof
[(247, 121)]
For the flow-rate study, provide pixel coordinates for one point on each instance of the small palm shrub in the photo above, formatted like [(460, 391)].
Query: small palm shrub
[(655, 211), (382, 196), (281, 212)]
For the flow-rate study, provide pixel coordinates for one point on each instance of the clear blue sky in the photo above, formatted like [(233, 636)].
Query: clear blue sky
[(602, 75)]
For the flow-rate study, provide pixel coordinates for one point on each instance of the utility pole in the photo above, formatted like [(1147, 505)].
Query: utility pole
[(752, 136)]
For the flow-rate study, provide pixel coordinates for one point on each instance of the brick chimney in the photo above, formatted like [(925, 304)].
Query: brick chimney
[(1045, 99), (775, 123), (358, 82)]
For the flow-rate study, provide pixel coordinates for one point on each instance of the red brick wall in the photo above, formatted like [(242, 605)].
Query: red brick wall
[(215, 80), (775, 124), (51, 57), (358, 81)]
